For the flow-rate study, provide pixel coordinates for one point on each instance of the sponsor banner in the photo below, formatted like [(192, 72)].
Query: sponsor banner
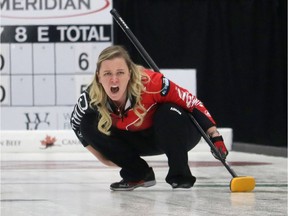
[(45, 141), (40, 141), (35, 118)]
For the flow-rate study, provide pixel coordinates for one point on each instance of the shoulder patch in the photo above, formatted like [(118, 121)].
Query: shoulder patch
[(165, 86)]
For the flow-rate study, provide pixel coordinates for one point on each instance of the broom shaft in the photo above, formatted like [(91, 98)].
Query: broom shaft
[(214, 149), (134, 40)]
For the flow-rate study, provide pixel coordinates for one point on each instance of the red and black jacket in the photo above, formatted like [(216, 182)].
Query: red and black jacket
[(158, 90)]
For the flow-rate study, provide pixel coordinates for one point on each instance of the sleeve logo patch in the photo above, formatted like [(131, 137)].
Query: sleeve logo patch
[(165, 86)]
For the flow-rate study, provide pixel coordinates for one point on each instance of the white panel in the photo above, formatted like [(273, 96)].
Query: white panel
[(43, 58), (185, 78), (65, 58), (65, 87), (44, 90), (21, 58), (22, 92)]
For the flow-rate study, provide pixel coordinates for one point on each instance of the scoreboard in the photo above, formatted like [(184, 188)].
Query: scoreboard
[(48, 56)]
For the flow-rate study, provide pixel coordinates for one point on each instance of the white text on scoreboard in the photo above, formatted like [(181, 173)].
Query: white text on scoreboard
[(55, 33)]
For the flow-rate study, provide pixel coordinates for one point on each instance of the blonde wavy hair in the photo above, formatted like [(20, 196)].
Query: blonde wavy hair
[(135, 88)]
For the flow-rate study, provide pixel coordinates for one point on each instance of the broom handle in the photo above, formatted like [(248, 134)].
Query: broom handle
[(214, 149), (134, 40), (152, 64)]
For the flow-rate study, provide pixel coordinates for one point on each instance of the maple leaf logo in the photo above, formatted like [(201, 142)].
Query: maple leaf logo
[(49, 141)]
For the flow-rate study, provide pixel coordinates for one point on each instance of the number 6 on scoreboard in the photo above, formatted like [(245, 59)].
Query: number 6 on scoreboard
[(83, 61)]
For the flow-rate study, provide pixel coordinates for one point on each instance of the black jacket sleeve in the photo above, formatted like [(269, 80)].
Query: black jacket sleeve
[(80, 109)]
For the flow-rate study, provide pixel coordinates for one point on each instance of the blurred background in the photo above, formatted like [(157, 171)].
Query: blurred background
[(238, 49)]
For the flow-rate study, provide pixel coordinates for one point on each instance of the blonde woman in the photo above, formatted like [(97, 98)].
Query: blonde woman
[(129, 111)]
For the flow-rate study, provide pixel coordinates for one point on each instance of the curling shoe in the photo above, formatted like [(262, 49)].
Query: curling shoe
[(123, 185), (182, 182)]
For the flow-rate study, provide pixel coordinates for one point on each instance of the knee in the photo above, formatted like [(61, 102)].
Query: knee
[(169, 111), (171, 118)]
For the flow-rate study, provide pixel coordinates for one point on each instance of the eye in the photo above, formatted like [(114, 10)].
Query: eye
[(120, 73), (106, 74)]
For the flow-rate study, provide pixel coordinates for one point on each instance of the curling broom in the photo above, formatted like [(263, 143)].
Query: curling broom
[(237, 183)]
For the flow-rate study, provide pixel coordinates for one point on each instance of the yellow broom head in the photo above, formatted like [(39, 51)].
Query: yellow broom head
[(242, 184)]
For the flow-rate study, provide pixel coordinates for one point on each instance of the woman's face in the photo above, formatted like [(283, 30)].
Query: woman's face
[(114, 76)]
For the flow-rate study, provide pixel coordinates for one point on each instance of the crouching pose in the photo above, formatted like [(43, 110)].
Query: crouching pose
[(128, 111)]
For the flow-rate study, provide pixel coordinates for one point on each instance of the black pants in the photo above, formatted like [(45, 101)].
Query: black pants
[(173, 134)]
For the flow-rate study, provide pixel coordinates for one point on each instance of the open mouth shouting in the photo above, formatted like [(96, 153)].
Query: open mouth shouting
[(117, 93), (114, 89)]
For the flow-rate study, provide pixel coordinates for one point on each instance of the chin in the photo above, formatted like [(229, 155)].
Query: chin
[(114, 97)]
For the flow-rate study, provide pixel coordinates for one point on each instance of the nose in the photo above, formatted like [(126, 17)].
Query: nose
[(114, 78)]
